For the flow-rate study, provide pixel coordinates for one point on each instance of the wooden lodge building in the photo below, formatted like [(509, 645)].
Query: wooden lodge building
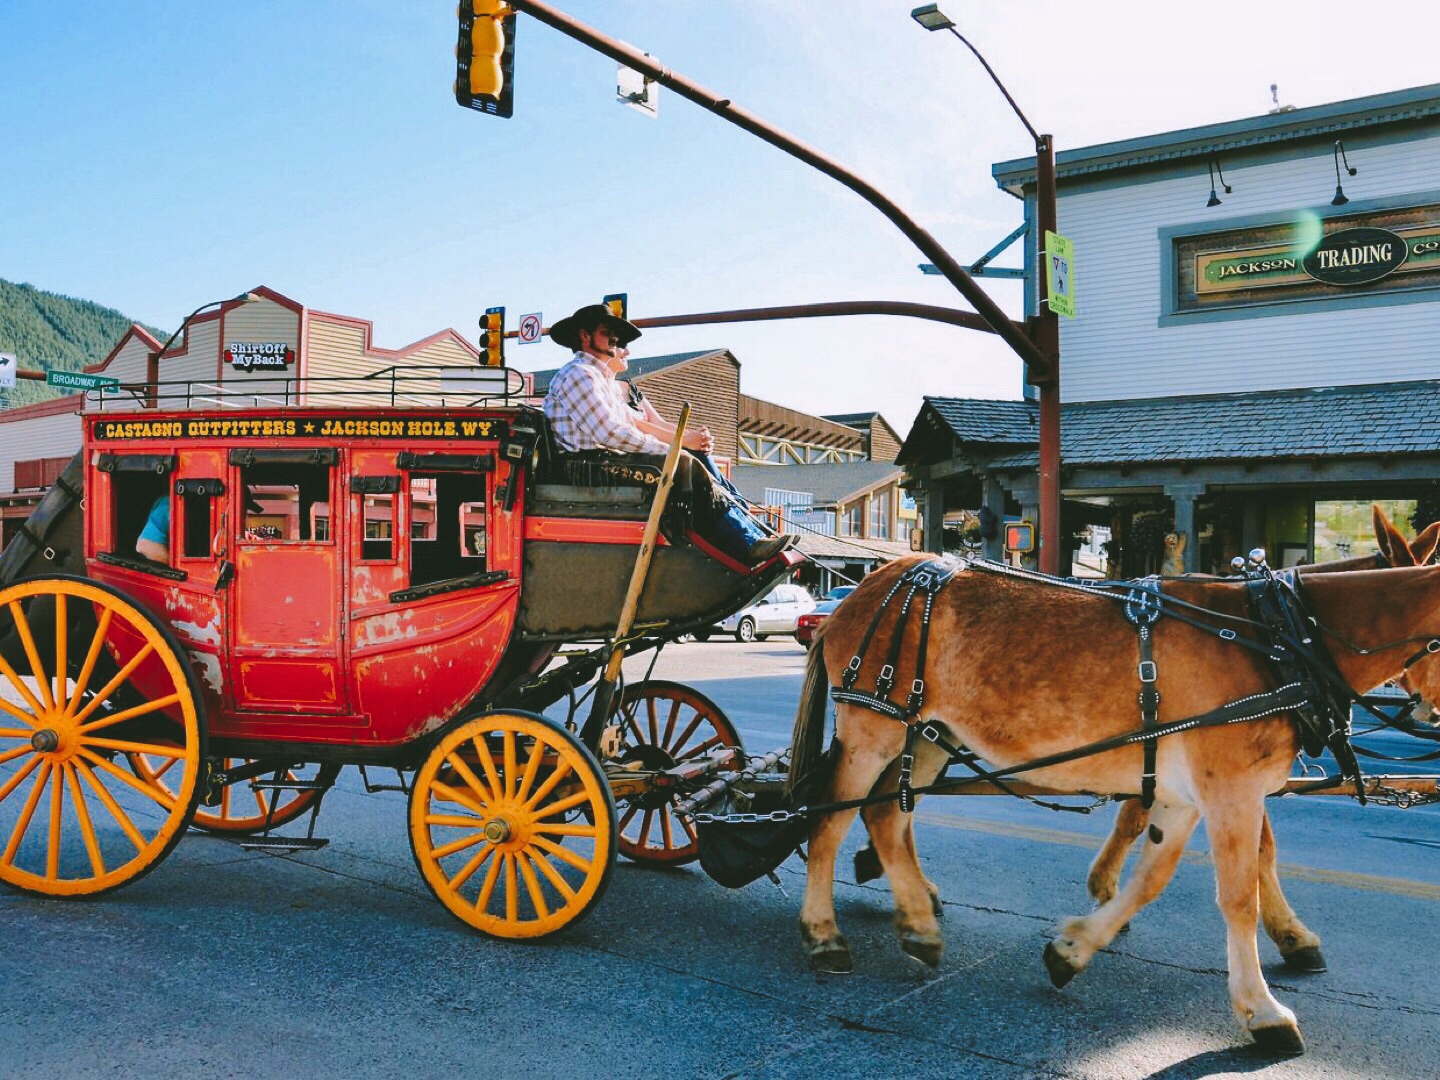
[(1254, 357)]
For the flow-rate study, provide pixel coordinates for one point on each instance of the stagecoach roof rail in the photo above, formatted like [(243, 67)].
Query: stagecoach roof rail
[(428, 385)]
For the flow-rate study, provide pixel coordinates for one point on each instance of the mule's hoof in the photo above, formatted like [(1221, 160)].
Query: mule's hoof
[(1309, 960), (927, 950), (831, 957), (936, 906), (1061, 970), (1280, 1040), (867, 865)]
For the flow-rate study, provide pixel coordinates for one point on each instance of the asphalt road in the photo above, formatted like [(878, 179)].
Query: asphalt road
[(227, 962)]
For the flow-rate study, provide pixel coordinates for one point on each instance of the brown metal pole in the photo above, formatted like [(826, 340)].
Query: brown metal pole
[(1047, 338), (722, 107)]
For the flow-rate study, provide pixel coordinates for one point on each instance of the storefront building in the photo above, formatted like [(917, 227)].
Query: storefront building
[(1254, 357)]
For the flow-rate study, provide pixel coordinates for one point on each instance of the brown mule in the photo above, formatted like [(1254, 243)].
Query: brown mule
[(1020, 669)]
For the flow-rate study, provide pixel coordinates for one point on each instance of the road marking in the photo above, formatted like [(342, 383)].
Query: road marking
[(1418, 890)]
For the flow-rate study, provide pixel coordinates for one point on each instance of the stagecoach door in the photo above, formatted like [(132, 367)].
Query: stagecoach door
[(286, 598)]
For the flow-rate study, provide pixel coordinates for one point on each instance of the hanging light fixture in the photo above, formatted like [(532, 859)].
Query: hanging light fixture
[(1339, 155), (1214, 166)]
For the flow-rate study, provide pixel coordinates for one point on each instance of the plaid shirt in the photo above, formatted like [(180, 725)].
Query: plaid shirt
[(586, 411)]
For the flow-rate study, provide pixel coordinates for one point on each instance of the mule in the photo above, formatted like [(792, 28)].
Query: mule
[(1020, 669), (1299, 946)]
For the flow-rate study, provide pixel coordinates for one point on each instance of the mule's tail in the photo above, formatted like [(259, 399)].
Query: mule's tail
[(806, 741)]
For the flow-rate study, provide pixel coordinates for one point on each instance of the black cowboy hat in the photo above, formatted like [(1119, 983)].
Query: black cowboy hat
[(566, 332)]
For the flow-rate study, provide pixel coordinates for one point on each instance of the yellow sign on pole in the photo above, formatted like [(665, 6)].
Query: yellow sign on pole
[(1060, 274)]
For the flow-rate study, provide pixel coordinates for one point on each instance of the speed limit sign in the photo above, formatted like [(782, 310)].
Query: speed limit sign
[(530, 328)]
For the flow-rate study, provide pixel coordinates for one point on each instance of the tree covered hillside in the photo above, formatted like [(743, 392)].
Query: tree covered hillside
[(45, 330)]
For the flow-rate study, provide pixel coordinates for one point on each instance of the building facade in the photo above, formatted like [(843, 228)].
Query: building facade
[(1252, 361)]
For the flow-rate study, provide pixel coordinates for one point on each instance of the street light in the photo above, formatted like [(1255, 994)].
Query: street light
[(152, 362), (1045, 328)]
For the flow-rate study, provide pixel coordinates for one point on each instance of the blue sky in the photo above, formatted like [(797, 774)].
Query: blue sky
[(163, 155)]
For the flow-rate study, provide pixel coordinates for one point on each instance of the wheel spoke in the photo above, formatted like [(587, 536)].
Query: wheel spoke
[(468, 870), (532, 885), (22, 823), (690, 730), (461, 797), (16, 780), (57, 807), (689, 829), (10, 755), (153, 791), (580, 798), (454, 821), (629, 816), (654, 721), (24, 691), (130, 714), (565, 830), (121, 818), (61, 641), (512, 891), (487, 887), (700, 749), (532, 769), (461, 844), (562, 769), (644, 840), (129, 746), (92, 656), (666, 832), (37, 669), (487, 762), (87, 827), (116, 682), (562, 853), (483, 794), (561, 885), (510, 766), (665, 742)]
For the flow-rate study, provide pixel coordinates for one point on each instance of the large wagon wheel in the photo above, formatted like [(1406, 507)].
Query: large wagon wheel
[(512, 825), (242, 809), (73, 822), (662, 724)]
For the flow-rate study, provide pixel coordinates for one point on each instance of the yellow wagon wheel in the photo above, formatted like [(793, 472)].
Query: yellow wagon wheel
[(242, 809), (88, 677), (512, 825), (663, 724)]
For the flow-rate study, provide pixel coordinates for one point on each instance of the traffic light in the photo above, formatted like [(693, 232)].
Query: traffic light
[(617, 302), (1019, 536), (485, 57), (492, 337)]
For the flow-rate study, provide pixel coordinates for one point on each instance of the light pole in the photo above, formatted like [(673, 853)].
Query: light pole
[(1044, 329), (152, 361)]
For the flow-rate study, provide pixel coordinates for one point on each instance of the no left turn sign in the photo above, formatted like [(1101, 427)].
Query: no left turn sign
[(530, 328)]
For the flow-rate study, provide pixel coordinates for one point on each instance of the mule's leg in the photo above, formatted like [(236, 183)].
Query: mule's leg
[(916, 899), (1104, 877), (1079, 939), (1234, 822), (1299, 946), (870, 743)]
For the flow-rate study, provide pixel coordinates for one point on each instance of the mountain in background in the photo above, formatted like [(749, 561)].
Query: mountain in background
[(45, 330)]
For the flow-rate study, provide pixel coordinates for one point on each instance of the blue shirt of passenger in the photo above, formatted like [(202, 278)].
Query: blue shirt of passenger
[(157, 525)]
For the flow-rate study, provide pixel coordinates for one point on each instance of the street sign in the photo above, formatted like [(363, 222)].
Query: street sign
[(638, 91), (8, 367), (530, 326), (79, 380), (1060, 274)]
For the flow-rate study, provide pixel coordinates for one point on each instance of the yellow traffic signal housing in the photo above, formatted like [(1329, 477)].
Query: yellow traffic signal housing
[(492, 337), (1019, 536), (617, 303), (485, 57)]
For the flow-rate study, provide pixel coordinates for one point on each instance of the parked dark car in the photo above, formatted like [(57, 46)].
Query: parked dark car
[(808, 623)]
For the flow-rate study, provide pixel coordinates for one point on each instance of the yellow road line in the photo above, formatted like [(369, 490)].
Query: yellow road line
[(1393, 886)]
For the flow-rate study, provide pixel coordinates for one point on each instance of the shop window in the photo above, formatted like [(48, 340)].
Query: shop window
[(446, 526), (850, 519), (1344, 530), (880, 516)]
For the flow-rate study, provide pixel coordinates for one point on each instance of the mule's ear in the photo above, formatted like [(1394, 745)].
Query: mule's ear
[(1394, 545), (1423, 547), (1383, 531)]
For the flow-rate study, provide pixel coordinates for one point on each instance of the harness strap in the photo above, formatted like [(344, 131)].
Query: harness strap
[(1143, 609)]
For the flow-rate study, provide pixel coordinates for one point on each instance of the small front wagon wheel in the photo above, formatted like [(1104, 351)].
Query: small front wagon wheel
[(512, 825), (88, 678)]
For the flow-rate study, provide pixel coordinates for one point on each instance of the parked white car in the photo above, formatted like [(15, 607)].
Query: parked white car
[(777, 612)]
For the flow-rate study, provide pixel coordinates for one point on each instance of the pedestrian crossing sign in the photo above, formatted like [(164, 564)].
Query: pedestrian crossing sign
[(1059, 257)]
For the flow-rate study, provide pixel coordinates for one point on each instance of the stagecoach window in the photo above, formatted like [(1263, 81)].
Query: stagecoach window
[(132, 496), (378, 513), (287, 502), (446, 523)]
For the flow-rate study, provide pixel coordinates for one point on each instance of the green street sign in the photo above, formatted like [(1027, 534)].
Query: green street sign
[(1060, 274), (79, 380)]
